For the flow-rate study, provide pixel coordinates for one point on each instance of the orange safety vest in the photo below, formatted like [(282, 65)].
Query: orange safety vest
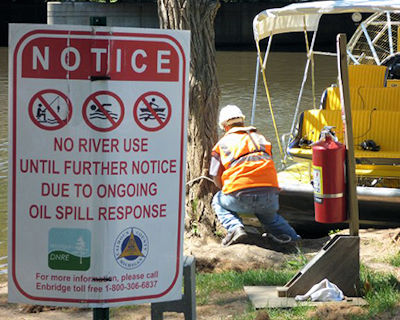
[(247, 160)]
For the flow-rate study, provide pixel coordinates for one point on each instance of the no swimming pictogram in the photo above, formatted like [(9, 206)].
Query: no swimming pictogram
[(50, 109), (103, 111), (152, 111)]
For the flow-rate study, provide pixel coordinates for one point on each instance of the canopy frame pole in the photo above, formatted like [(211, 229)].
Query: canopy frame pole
[(296, 112), (322, 53), (311, 56), (390, 36), (253, 108), (267, 51)]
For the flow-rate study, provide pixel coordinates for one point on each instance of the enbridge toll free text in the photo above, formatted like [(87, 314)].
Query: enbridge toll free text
[(81, 283)]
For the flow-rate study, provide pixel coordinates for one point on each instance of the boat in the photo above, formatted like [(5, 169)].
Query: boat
[(373, 54)]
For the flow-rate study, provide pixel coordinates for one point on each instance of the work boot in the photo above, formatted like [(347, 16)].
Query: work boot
[(234, 237), (281, 239)]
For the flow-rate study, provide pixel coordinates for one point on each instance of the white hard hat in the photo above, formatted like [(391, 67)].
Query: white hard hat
[(230, 112)]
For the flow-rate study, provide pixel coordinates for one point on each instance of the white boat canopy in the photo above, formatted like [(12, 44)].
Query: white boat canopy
[(305, 16)]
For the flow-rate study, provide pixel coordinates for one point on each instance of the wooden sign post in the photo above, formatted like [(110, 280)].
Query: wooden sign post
[(348, 135)]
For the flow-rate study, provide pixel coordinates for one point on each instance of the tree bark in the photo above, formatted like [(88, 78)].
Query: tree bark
[(198, 16)]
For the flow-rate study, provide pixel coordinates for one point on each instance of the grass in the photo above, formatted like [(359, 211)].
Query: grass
[(297, 261), (332, 232), (380, 290), (297, 313), (207, 284), (230, 281), (395, 260), (383, 292)]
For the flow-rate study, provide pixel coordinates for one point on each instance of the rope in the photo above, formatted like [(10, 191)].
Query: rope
[(198, 178), (269, 102)]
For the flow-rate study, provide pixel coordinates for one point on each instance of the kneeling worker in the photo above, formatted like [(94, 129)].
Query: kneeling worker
[(242, 166)]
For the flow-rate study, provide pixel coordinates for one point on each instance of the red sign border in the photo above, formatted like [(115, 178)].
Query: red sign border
[(97, 93), (37, 123), (136, 105), (69, 33)]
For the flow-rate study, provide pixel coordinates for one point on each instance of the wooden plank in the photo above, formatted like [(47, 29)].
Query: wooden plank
[(337, 261), (265, 297), (348, 135)]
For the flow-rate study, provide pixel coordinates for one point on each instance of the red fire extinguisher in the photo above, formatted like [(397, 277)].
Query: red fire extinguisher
[(328, 158)]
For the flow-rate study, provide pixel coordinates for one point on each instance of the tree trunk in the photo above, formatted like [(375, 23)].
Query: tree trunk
[(198, 16)]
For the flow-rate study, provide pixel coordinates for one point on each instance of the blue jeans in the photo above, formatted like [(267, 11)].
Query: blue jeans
[(264, 205)]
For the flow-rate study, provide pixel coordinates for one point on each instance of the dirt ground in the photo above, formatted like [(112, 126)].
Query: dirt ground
[(376, 246)]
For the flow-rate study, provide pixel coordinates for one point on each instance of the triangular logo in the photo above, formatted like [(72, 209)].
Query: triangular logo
[(131, 248)]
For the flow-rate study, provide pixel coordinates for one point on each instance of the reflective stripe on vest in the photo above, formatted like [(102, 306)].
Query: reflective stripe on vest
[(250, 157), (246, 159), (259, 145)]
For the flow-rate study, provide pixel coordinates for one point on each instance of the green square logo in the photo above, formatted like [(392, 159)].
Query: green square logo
[(69, 249)]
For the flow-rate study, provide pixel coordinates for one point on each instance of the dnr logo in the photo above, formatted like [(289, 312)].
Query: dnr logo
[(131, 248), (69, 249)]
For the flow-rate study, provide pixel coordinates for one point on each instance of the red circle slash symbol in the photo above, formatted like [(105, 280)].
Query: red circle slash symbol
[(152, 111), (103, 111), (50, 109)]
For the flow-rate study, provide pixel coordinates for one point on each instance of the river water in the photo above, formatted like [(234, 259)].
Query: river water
[(236, 79), (236, 74)]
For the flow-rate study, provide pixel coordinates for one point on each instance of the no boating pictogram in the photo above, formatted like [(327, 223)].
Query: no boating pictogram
[(152, 111), (50, 109), (103, 111)]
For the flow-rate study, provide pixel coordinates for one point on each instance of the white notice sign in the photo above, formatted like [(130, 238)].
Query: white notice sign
[(96, 164)]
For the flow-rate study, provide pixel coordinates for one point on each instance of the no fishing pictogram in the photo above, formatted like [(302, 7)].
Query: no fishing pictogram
[(50, 109), (103, 111), (152, 111)]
